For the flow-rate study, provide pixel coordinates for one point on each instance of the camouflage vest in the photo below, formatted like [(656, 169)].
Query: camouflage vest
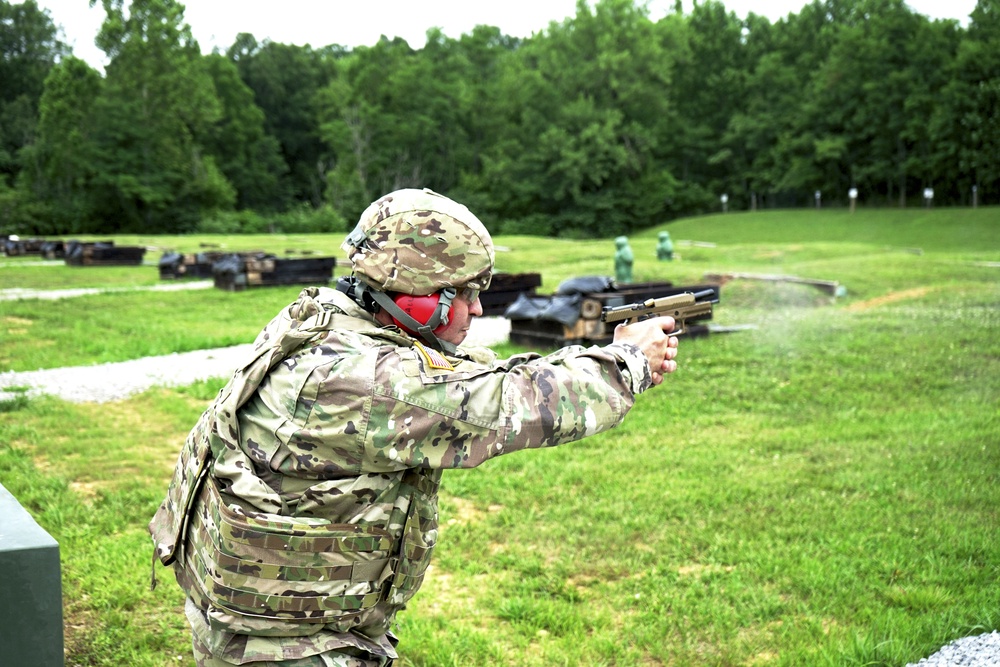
[(265, 573), (303, 503)]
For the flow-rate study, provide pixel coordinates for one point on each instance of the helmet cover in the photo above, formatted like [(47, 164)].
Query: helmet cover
[(419, 242)]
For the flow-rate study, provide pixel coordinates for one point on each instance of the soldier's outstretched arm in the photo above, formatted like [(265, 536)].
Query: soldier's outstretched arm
[(461, 418)]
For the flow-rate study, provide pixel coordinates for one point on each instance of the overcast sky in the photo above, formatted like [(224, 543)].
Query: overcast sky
[(215, 23)]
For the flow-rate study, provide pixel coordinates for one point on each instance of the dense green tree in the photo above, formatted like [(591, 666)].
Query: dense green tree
[(397, 117), (930, 54), (248, 156), (771, 126), (708, 89), (863, 118), (61, 166), (285, 80), (29, 47), (882, 52), (966, 124), (376, 117), (157, 108), (597, 125), (483, 51), (447, 97), (979, 62), (489, 60), (580, 147), (755, 124)]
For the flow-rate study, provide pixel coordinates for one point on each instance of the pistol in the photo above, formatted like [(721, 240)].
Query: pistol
[(681, 307)]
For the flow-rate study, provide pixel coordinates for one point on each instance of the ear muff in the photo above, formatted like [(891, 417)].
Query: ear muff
[(420, 308)]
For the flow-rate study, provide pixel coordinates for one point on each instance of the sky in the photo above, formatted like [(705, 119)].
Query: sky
[(351, 23)]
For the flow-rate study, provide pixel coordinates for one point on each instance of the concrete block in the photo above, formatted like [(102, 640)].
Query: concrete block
[(31, 624)]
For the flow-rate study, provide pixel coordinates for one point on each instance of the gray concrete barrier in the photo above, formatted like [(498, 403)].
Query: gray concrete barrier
[(31, 623)]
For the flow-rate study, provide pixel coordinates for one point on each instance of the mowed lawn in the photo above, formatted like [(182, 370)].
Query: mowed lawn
[(818, 487)]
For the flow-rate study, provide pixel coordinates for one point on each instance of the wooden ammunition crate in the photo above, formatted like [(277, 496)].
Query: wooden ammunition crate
[(103, 253), (15, 247), (238, 272), (175, 265), (53, 250)]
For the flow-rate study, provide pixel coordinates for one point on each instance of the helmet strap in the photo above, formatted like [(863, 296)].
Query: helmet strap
[(425, 331), (358, 292)]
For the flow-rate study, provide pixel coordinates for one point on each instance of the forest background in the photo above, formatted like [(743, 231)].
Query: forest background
[(605, 123)]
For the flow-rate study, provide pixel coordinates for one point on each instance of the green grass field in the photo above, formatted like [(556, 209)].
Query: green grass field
[(821, 489)]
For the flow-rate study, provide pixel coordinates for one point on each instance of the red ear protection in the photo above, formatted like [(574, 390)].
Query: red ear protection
[(420, 308)]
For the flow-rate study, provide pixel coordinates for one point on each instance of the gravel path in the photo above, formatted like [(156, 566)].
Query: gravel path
[(16, 293), (977, 651), (100, 383), (115, 381)]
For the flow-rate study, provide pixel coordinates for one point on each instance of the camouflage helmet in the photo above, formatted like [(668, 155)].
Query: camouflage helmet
[(419, 242)]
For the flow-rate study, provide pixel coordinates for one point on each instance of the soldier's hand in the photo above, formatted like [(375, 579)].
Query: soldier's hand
[(652, 337)]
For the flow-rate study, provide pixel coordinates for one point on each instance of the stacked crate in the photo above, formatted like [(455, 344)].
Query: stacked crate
[(237, 272), (103, 253), (175, 265), (53, 250), (14, 246)]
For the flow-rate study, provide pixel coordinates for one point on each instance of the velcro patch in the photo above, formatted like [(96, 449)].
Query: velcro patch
[(434, 359)]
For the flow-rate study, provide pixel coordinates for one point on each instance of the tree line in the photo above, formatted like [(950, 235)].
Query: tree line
[(598, 125)]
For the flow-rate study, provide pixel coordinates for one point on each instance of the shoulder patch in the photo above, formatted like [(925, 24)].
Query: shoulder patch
[(433, 358)]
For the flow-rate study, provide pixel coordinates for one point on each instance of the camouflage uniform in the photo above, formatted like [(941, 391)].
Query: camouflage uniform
[(261, 650), (303, 509)]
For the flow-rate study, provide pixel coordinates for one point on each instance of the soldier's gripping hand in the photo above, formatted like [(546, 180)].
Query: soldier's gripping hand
[(653, 337)]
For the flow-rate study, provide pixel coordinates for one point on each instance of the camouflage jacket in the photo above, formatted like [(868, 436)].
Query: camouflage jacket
[(303, 508)]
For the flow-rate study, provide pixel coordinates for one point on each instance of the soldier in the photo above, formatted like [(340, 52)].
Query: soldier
[(303, 509)]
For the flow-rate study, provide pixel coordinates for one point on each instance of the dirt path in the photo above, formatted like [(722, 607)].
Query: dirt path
[(914, 293)]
